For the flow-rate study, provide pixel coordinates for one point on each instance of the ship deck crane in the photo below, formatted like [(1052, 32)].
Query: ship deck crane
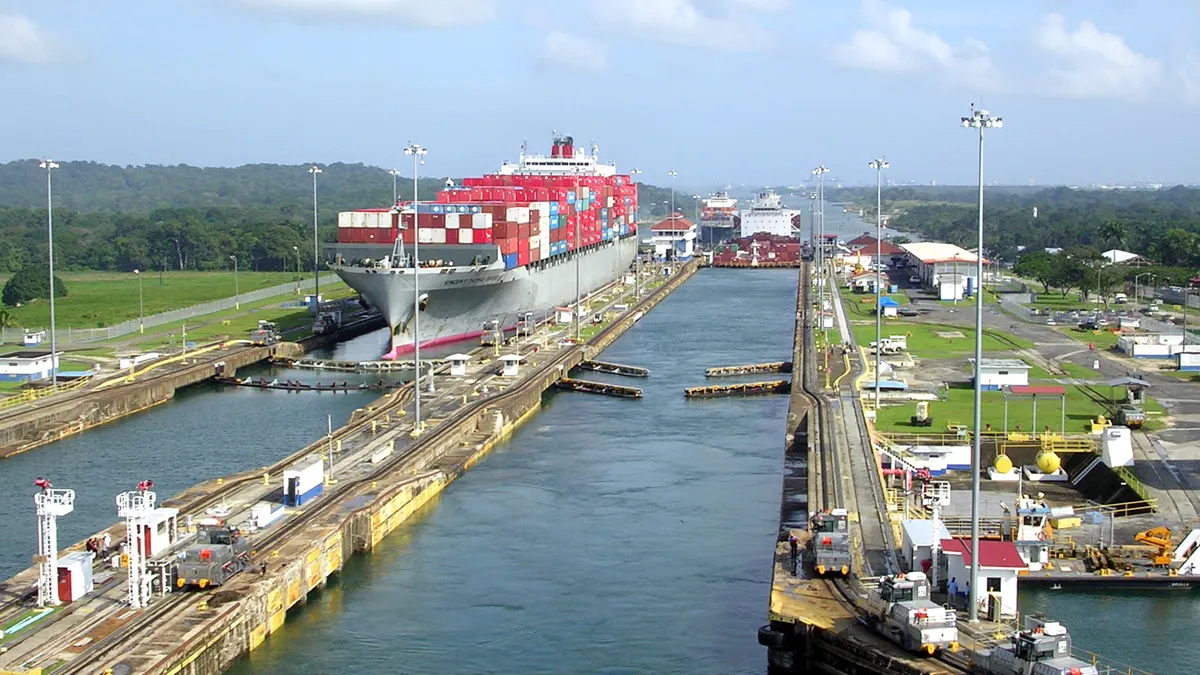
[(1160, 538)]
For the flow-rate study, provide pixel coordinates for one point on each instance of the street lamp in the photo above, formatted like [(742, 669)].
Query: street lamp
[(979, 119), (578, 283), (314, 170), (1135, 286), (416, 152), (141, 307), (820, 172), (49, 166), (637, 256), (395, 194), (297, 250), (879, 165), (237, 295), (672, 173)]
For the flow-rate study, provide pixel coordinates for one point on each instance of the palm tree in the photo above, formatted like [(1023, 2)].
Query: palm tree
[(7, 320), (1114, 233)]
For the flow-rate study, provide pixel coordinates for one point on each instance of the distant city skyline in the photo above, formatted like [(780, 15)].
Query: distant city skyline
[(1092, 93)]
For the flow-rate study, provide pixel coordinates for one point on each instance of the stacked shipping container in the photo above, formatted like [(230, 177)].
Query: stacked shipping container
[(530, 218)]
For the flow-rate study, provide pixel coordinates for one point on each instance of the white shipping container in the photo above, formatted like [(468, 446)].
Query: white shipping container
[(481, 221), (611, 201), (358, 219), (439, 236), (522, 214), (583, 191), (535, 242), (375, 220), (452, 221), (425, 235), (544, 238), (310, 471), (466, 236), (344, 219), (511, 214)]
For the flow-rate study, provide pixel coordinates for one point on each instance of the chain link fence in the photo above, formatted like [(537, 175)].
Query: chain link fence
[(75, 336)]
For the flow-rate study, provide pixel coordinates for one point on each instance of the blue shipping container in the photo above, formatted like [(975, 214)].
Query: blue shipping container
[(510, 261), (554, 208), (303, 498)]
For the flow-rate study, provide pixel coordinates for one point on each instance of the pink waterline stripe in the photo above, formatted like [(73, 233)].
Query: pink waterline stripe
[(435, 342)]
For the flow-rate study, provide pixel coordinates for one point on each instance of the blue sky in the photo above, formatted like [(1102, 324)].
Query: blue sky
[(723, 91)]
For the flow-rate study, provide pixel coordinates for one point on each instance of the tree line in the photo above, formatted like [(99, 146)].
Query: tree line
[(191, 218)]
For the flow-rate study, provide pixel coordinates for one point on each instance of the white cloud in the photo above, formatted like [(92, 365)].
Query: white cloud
[(419, 13), (574, 51), (893, 43), (1093, 63), (717, 25), (1188, 75), (21, 40)]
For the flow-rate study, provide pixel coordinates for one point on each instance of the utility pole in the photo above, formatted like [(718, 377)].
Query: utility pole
[(879, 165), (314, 170)]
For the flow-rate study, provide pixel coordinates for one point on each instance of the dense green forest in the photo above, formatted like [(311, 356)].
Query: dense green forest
[(1163, 225), (184, 217)]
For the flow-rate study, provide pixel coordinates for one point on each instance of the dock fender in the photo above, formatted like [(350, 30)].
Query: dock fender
[(769, 637)]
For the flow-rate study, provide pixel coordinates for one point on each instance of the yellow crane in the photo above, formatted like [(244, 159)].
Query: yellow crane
[(1160, 538)]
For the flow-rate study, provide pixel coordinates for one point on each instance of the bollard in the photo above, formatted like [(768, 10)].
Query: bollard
[(266, 479), (373, 426), (339, 445)]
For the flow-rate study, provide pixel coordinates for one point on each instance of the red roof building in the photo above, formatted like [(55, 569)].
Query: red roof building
[(992, 554), (867, 245), (675, 223)]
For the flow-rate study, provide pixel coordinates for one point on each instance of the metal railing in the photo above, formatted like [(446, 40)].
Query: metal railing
[(73, 336), (1134, 484), (29, 395)]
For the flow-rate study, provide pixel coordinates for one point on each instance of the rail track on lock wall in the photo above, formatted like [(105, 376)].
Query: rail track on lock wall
[(128, 635), (827, 462)]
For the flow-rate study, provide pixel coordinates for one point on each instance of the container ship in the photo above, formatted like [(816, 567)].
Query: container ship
[(493, 248), (767, 216), (719, 219)]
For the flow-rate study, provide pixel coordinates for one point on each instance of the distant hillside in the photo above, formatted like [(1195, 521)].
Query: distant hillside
[(184, 217), (88, 186)]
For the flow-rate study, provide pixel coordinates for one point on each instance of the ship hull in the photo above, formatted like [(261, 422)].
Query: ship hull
[(457, 302)]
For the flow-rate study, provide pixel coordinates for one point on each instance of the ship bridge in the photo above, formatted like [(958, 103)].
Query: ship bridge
[(564, 159)]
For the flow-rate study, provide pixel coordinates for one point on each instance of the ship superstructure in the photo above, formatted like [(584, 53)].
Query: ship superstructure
[(767, 215), (494, 248), (719, 218)]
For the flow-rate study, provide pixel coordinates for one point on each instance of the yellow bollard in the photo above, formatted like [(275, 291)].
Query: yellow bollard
[(339, 445), (373, 426), (220, 481), (266, 479)]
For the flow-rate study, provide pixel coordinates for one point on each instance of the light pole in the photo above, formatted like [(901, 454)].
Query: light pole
[(314, 170), (820, 172), (297, 250), (141, 307), (879, 165), (416, 152), (395, 194), (1135, 287), (50, 166), (979, 119), (672, 173), (237, 294), (637, 256)]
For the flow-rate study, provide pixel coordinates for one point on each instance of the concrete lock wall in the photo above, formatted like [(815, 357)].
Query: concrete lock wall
[(51, 421)]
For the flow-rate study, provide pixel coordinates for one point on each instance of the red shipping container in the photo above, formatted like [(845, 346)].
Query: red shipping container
[(507, 246), (523, 231), (522, 245), (535, 230), (482, 236), (535, 254), (523, 258)]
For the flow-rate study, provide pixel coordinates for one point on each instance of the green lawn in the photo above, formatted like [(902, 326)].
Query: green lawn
[(71, 366), (1061, 302), (99, 299), (863, 305), (1077, 371), (1103, 339), (212, 326), (925, 343), (960, 404)]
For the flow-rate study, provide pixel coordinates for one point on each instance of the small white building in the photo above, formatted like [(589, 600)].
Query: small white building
[(160, 531), (33, 338), (75, 576), (1000, 565), (511, 362), (27, 365), (458, 364), (674, 238), (917, 542), (950, 269), (1154, 345), (997, 373)]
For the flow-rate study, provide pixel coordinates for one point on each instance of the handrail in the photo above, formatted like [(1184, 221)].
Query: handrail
[(29, 395)]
